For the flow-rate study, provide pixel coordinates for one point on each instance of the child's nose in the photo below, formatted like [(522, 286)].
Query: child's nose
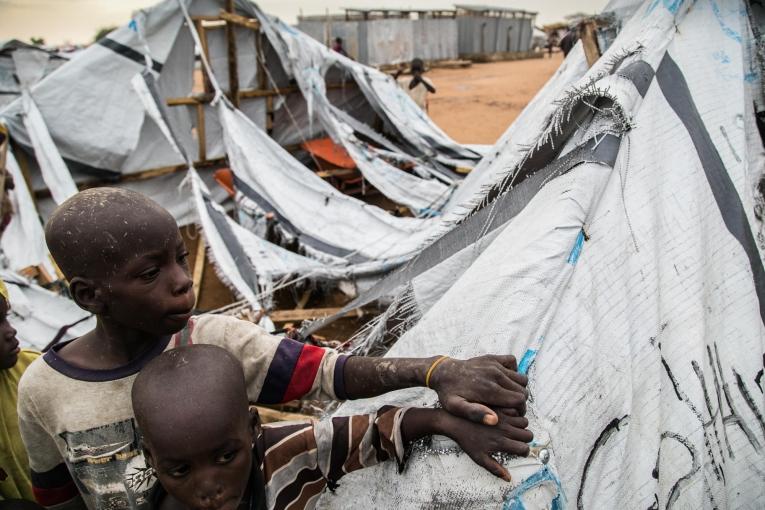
[(209, 493), (182, 281)]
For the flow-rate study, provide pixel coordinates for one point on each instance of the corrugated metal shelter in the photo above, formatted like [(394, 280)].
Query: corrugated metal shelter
[(388, 36), (488, 29)]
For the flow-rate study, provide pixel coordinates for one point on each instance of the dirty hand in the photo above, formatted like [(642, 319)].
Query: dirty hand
[(480, 441), (468, 388)]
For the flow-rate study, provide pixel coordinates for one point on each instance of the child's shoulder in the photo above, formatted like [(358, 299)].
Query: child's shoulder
[(37, 377)]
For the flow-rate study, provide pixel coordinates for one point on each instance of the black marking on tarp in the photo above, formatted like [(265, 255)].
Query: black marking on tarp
[(678, 95), (749, 400), (718, 392), (704, 424), (713, 414), (241, 260), (128, 52), (674, 492), (610, 429)]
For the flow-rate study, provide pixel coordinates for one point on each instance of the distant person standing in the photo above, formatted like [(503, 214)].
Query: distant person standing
[(418, 86), (568, 41), (337, 45), (552, 42)]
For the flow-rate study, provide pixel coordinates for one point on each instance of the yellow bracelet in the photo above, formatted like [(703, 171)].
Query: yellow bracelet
[(433, 367)]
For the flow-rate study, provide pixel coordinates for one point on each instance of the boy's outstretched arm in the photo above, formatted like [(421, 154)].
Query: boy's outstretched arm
[(466, 388), (478, 441)]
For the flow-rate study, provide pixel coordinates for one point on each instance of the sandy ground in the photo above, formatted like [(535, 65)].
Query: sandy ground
[(477, 104)]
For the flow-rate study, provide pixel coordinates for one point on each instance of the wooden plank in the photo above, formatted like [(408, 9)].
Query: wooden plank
[(140, 176), (206, 51), (201, 136), (3, 152), (260, 57), (588, 35), (249, 94), (338, 172), (304, 299), (233, 71), (205, 18), (309, 313), (269, 114), (241, 21), (199, 266)]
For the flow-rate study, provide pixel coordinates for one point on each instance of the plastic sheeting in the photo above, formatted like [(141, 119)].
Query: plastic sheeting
[(324, 218), (38, 315), (23, 241), (632, 295), (54, 170), (308, 61)]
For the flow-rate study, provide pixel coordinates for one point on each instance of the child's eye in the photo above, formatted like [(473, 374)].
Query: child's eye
[(179, 471), (150, 274), (183, 258), (227, 457)]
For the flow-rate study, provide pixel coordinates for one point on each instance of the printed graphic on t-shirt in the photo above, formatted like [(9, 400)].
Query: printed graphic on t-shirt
[(102, 460)]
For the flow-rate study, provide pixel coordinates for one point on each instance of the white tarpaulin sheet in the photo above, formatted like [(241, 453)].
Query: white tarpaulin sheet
[(23, 241), (54, 171), (633, 295), (38, 315)]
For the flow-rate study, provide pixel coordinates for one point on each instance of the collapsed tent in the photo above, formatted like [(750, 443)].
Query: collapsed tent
[(630, 287), (85, 127)]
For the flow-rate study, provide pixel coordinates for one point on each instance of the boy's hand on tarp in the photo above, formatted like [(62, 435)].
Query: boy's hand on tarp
[(469, 388), (479, 441)]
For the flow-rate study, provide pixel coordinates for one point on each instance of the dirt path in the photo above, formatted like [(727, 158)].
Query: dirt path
[(477, 104)]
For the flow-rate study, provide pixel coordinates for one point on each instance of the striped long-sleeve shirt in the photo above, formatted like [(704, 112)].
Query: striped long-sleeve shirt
[(78, 425), (299, 460)]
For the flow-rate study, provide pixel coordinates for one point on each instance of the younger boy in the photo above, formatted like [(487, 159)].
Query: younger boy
[(209, 452), (15, 483), (126, 263)]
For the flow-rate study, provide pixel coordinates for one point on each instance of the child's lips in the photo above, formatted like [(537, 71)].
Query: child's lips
[(180, 317)]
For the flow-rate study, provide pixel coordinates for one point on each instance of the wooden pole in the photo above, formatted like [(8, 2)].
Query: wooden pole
[(233, 72), (206, 51), (201, 136), (199, 266), (588, 35)]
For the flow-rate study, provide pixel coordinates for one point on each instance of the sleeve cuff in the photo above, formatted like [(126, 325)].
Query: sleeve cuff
[(402, 451), (339, 378)]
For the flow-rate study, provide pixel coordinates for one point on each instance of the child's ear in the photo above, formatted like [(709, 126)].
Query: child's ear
[(87, 295)]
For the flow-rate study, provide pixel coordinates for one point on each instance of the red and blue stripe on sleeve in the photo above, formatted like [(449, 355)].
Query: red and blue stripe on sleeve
[(54, 487), (293, 370)]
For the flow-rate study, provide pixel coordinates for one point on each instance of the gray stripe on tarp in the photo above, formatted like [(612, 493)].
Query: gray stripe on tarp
[(503, 195), (602, 150), (151, 84), (678, 95), (286, 224), (242, 262), (128, 52), (640, 73)]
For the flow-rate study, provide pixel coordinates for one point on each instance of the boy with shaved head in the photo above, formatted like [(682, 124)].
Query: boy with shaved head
[(126, 263), (210, 452)]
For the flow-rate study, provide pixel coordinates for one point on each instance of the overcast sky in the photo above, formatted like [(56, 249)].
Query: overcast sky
[(76, 21)]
